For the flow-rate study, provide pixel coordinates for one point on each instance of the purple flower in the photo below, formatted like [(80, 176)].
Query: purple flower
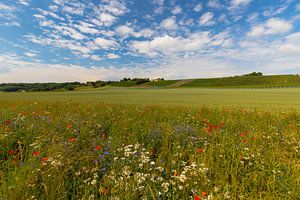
[(96, 161), (103, 170)]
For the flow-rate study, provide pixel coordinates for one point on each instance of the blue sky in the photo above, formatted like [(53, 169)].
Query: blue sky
[(76, 40)]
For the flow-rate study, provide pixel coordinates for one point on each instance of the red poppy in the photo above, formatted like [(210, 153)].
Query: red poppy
[(200, 150), (104, 191), (43, 159), (208, 129), (36, 153), (203, 194), (290, 126), (244, 133), (69, 126), (11, 152), (245, 141), (97, 148), (216, 127), (210, 125), (7, 122), (72, 139), (175, 173), (197, 197), (222, 124)]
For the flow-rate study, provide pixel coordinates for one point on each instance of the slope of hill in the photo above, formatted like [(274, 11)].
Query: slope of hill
[(247, 81), (225, 82), (232, 82)]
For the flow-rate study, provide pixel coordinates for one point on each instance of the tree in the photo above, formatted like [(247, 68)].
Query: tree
[(254, 74)]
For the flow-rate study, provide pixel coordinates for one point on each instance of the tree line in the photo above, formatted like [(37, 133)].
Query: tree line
[(31, 87)]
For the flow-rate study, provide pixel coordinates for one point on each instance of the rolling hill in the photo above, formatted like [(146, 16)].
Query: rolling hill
[(234, 82)]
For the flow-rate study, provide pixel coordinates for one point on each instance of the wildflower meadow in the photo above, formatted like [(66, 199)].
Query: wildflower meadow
[(77, 150)]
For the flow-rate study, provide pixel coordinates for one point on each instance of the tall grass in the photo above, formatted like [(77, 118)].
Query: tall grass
[(109, 151)]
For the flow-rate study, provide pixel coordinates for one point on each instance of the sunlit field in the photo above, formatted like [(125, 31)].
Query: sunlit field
[(264, 99), (150, 144)]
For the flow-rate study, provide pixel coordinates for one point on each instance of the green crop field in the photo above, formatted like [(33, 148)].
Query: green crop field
[(266, 99), (235, 82), (163, 83), (145, 143)]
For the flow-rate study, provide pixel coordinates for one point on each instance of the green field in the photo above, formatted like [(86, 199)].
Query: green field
[(131, 143), (278, 99), (248, 81), (271, 81)]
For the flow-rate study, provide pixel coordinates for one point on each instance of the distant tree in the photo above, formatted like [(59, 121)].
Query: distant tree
[(254, 74), (141, 80), (69, 87), (125, 79)]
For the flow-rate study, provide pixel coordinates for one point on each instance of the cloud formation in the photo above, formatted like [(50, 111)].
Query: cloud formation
[(109, 39)]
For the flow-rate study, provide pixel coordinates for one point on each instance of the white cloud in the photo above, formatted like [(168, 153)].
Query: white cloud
[(214, 4), (238, 3), (275, 11), (207, 19), (223, 18), (105, 43), (105, 19), (169, 23), (59, 42), (112, 56), (291, 46), (21, 71), (194, 67), (222, 39), (6, 7), (169, 45), (281, 9), (271, 27), (96, 57), (59, 2), (39, 16), (159, 2), (187, 22), (176, 10), (8, 15), (68, 31), (290, 49), (159, 9), (49, 13), (115, 7), (24, 2), (46, 23), (77, 9), (72, 10), (126, 31), (253, 17), (30, 54), (298, 7), (85, 27), (107, 33), (12, 23), (293, 38), (198, 7)]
